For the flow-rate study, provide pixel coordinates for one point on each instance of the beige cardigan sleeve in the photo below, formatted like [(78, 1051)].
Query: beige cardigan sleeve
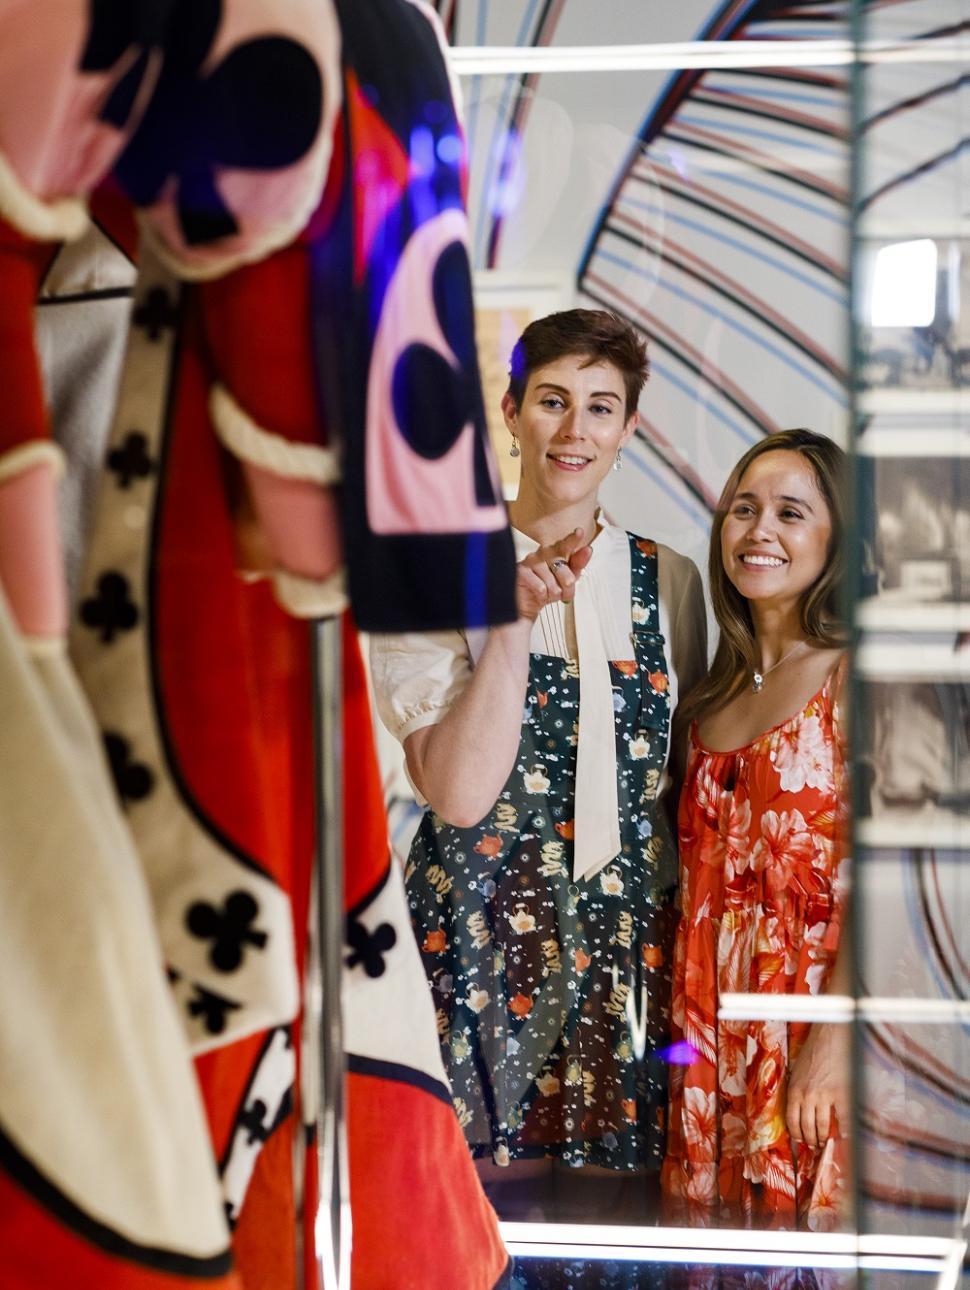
[(685, 623)]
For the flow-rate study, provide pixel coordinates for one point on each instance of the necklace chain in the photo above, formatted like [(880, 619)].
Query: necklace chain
[(758, 677)]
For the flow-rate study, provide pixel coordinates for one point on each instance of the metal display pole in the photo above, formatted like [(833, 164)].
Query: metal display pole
[(332, 1226)]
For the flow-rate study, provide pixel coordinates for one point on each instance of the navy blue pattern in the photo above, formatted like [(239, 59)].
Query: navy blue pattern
[(552, 996)]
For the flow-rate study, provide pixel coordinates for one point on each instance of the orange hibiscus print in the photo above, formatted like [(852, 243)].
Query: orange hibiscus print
[(761, 858), (582, 960), (658, 681), (629, 1105), (566, 829), (626, 666), (435, 942), (647, 547), (489, 845), (653, 955), (521, 1005), (542, 698)]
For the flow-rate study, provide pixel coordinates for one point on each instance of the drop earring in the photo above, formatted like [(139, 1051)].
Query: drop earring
[(618, 463), (514, 450)]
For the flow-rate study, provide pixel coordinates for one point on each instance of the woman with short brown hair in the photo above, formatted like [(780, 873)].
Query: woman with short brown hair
[(542, 877)]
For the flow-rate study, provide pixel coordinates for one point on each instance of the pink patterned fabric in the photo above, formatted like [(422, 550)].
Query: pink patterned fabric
[(31, 563), (50, 132), (400, 480), (84, 89), (299, 520)]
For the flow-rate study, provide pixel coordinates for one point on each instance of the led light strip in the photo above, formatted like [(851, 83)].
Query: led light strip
[(602, 1236), (501, 60), (732, 1248), (840, 1007), (952, 1269), (721, 1258)]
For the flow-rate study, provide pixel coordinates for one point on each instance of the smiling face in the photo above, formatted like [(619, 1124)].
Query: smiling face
[(570, 425), (777, 532)]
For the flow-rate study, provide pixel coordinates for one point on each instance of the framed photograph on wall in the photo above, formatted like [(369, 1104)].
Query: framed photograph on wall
[(916, 762), (505, 304), (918, 543)]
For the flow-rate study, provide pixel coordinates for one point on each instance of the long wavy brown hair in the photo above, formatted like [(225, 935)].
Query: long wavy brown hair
[(822, 613)]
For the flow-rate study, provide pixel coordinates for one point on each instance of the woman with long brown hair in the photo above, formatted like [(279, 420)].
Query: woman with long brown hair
[(755, 1105)]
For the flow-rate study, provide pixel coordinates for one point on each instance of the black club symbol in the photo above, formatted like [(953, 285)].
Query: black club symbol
[(369, 948), (255, 1119), (255, 1122), (155, 313), (112, 609), (214, 1009), (259, 108), (434, 401), (131, 460), (116, 26), (133, 779), (228, 928)]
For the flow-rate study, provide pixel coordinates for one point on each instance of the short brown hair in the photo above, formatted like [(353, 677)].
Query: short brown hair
[(599, 335)]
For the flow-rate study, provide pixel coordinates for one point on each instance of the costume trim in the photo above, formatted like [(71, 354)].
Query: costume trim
[(266, 1104), (35, 452), (84, 297), (117, 660), (63, 220), (399, 1074), (244, 438), (26, 1175), (44, 646), (310, 597), (375, 891)]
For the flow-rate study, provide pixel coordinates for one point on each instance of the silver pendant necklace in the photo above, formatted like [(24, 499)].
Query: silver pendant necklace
[(758, 678)]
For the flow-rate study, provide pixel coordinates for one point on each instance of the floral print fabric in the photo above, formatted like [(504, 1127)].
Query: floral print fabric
[(552, 996), (761, 893)]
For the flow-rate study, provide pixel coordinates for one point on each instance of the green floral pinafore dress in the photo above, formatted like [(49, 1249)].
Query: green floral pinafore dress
[(552, 996)]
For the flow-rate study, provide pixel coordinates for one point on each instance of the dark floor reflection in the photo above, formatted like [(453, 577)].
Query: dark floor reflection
[(614, 1274), (576, 1196)]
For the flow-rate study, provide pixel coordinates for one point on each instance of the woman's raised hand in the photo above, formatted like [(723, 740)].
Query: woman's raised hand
[(550, 573)]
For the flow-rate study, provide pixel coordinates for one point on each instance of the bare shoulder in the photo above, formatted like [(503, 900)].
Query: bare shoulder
[(837, 667), (783, 695), (831, 663)]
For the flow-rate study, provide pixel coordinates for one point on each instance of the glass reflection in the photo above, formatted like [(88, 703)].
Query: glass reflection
[(542, 875), (712, 212)]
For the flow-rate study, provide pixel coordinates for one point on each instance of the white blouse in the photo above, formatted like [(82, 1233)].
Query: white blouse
[(417, 676)]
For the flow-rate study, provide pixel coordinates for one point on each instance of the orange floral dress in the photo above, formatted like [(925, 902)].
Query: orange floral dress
[(761, 831)]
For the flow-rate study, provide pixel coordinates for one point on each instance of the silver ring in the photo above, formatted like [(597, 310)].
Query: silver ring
[(555, 564)]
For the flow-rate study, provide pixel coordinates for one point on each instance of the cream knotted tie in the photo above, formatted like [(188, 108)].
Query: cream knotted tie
[(597, 825)]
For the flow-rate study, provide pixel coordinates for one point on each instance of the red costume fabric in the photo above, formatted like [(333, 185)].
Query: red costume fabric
[(217, 120)]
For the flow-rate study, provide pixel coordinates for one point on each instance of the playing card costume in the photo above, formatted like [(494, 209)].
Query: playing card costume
[(286, 164)]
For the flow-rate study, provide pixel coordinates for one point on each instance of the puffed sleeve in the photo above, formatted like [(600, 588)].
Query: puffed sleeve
[(417, 676)]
